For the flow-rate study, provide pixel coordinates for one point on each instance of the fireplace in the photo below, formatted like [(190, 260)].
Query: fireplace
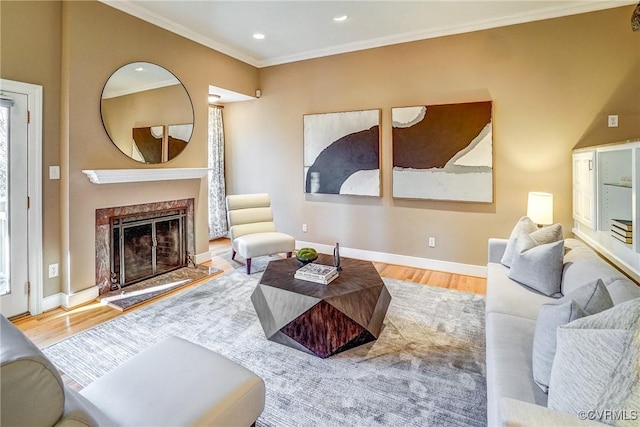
[(137, 242), (144, 247)]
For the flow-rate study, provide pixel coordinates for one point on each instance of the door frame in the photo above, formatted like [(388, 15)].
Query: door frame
[(34, 187)]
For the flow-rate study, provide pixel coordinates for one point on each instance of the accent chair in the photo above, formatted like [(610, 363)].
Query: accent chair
[(252, 230)]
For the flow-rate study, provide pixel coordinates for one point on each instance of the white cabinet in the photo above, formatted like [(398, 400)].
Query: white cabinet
[(584, 187), (606, 186)]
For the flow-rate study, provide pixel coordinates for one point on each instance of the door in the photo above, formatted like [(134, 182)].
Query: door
[(14, 251)]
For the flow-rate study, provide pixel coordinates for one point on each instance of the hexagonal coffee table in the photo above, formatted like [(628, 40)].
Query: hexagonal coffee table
[(321, 319)]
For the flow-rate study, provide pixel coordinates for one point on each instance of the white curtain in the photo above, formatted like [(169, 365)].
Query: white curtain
[(217, 209)]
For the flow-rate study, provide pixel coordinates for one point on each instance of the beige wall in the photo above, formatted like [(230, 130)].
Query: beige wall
[(30, 34), (552, 83), (72, 48)]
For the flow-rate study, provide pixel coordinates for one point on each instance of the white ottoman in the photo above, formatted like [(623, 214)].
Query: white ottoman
[(179, 383)]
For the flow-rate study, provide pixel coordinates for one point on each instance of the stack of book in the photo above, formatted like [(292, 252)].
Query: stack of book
[(622, 230), (317, 273)]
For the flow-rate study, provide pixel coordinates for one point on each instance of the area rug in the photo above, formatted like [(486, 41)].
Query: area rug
[(426, 369)]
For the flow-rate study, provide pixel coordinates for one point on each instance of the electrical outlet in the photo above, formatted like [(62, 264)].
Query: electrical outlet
[(53, 270), (304, 228), (432, 242), (613, 121)]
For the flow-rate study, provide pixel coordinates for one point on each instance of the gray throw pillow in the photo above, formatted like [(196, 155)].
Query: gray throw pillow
[(538, 267), (523, 226), (596, 366), (590, 299)]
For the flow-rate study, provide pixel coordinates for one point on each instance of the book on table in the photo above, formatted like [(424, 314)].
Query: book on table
[(624, 224), (317, 273)]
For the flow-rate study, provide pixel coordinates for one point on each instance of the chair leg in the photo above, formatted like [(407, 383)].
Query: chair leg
[(289, 254), (248, 265), (233, 254)]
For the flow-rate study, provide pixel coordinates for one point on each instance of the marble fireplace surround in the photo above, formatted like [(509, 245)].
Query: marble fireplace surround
[(103, 232)]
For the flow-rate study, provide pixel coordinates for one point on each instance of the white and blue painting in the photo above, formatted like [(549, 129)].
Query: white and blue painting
[(342, 153)]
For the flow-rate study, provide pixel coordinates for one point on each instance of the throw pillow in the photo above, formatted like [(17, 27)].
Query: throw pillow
[(524, 225), (538, 267), (596, 366), (589, 299)]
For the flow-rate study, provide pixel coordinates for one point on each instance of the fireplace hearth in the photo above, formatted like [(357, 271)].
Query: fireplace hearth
[(137, 242)]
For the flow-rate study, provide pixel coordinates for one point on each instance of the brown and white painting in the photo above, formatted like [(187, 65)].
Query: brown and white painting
[(342, 153), (443, 152)]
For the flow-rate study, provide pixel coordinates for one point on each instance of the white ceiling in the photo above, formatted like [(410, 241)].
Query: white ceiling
[(298, 30)]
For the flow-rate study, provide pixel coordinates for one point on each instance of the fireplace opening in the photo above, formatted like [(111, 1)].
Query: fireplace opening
[(146, 245)]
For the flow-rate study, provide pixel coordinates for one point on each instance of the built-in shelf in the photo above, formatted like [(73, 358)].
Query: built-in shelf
[(116, 176), (606, 184), (610, 184)]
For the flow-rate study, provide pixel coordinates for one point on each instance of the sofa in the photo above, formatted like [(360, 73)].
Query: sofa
[(173, 383), (513, 397)]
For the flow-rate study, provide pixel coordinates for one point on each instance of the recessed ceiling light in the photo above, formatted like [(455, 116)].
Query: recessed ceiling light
[(258, 36), (340, 18), (139, 69)]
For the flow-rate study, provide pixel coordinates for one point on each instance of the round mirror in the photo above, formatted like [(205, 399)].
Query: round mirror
[(147, 112)]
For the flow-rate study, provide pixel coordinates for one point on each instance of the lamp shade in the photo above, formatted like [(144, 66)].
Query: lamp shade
[(540, 207)]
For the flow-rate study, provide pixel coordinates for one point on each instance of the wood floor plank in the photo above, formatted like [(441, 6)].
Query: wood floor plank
[(55, 325)]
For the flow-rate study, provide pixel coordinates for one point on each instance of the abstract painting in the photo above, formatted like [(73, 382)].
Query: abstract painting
[(443, 152), (342, 153)]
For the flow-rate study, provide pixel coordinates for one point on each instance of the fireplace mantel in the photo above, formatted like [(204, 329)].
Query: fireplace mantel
[(115, 176)]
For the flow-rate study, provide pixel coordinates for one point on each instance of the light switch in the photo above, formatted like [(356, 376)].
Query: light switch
[(54, 172)]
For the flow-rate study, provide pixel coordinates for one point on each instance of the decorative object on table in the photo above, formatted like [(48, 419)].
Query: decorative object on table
[(336, 257), (540, 208), (342, 153), (317, 273), (307, 255), (443, 152)]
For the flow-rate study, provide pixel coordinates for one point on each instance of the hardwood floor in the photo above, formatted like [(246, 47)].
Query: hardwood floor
[(55, 325)]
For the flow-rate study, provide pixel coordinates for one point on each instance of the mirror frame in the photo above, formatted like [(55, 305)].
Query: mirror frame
[(143, 102)]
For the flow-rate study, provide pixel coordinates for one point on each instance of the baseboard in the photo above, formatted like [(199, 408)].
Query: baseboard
[(79, 298), (409, 261), (203, 257), (52, 301)]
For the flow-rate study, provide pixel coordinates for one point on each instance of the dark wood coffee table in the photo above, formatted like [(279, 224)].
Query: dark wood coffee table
[(321, 319)]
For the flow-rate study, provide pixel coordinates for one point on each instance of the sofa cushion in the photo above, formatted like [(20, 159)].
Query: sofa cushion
[(589, 299), (622, 290), (31, 390), (523, 226), (509, 297), (509, 349), (544, 340), (582, 265), (538, 267), (596, 364)]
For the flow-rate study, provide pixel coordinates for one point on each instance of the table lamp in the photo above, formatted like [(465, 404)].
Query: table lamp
[(540, 208)]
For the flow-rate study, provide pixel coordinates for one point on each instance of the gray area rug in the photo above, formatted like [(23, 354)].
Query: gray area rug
[(426, 369)]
